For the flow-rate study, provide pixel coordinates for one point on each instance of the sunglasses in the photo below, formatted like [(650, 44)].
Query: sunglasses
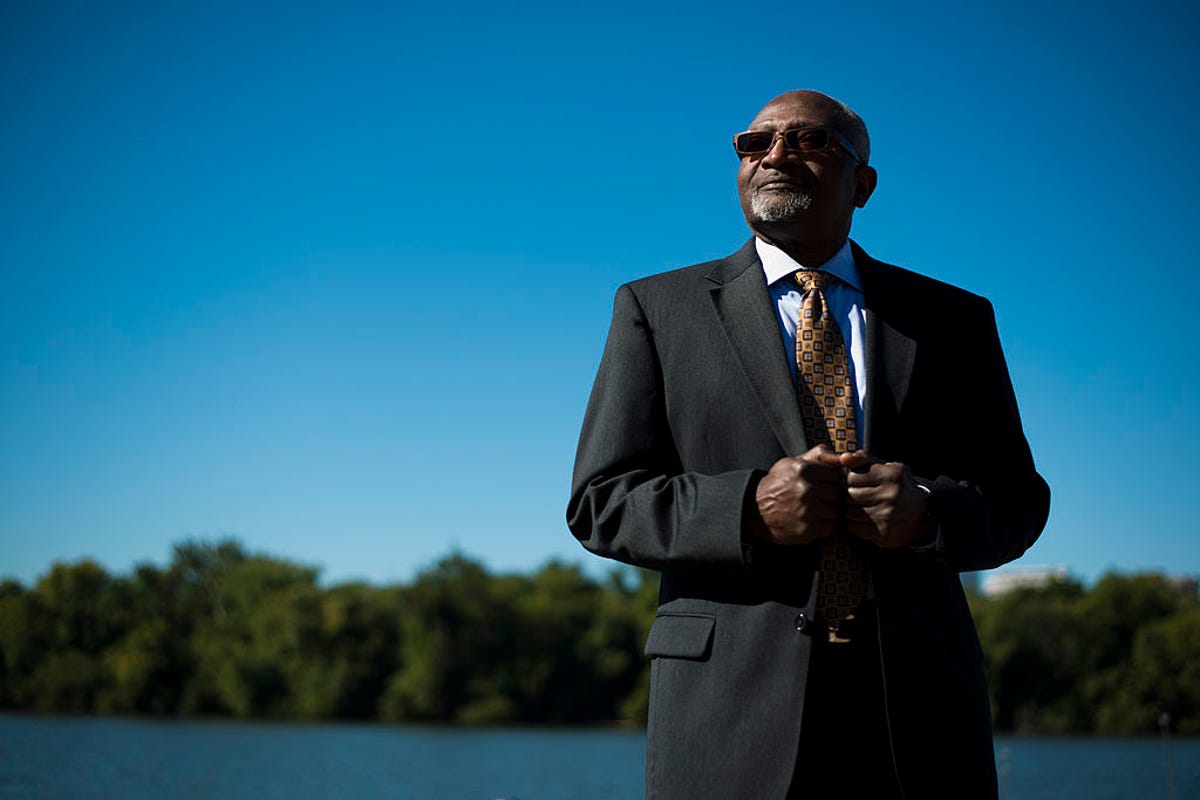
[(803, 140)]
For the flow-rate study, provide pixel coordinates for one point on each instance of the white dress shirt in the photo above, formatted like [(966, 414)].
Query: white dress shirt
[(843, 295)]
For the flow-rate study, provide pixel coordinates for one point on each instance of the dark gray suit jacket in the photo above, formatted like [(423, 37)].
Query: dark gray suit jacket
[(693, 401)]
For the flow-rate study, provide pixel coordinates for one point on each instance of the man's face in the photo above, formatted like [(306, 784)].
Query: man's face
[(816, 191)]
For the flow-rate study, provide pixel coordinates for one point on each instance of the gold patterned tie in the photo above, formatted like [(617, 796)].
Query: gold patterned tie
[(827, 406)]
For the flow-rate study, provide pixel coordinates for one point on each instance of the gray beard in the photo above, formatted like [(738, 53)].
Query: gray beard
[(777, 205)]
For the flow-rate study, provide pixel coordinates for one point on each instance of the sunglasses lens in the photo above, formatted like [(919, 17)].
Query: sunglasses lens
[(807, 139), (753, 142)]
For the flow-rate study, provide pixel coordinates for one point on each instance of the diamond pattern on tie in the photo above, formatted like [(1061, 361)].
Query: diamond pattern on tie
[(826, 391)]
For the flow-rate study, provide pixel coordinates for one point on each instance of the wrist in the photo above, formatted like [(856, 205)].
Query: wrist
[(926, 535), (754, 527)]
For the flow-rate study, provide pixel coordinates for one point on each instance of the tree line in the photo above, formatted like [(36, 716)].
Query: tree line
[(220, 631)]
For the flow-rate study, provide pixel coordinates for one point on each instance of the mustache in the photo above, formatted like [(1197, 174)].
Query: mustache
[(782, 184), (778, 190)]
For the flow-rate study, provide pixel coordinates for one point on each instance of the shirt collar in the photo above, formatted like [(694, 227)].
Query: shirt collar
[(778, 265)]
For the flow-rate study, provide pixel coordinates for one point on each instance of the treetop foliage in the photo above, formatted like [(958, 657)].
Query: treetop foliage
[(222, 631)]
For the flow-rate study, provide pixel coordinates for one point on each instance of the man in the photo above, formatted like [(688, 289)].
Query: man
[(809, 445)]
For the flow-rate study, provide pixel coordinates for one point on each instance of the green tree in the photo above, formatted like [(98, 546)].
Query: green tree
[(357, 650), (1036, 645), (265, 622), (223, 631), (24, 639), (1162, 674), (635, 707), (455, 629), (80, 616), (577, 646)]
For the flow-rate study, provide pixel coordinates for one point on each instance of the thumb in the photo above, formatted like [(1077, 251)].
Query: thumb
[(859, 459)]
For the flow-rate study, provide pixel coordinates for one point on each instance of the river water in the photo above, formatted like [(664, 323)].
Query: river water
[(80, 758)]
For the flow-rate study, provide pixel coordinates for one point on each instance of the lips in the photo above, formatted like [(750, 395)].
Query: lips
[(779, 185)]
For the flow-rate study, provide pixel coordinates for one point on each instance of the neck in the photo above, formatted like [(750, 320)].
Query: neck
[(801, 246)]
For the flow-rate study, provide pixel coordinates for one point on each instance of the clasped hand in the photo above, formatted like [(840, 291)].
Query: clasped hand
[(806, 498)]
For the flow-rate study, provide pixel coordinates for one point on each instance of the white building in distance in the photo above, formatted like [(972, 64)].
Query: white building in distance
[(997, 583)]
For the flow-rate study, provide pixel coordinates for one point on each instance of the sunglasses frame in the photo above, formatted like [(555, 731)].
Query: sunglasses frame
[(834, 135)]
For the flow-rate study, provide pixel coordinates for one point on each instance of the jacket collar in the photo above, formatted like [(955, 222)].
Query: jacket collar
[(891, 354), (743, 306)]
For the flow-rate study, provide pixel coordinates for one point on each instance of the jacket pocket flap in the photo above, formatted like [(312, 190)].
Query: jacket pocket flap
[(680, 636)]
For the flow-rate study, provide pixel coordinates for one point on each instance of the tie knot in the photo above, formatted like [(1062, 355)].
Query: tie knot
[(810, 279)]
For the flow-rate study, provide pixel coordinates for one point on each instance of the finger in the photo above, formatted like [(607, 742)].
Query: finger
[(821, 454), (877, 474), (788, 471), (856, 515), (867, 531), (883, 495), (828, 494), (858, 460), (863, 480), (826, 514), (864, 496), (819, 472)]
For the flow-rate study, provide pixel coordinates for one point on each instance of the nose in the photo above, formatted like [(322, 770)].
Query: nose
[(776, 153)]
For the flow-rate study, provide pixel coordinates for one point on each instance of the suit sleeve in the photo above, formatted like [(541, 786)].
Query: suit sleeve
[(998, 512), (631, 500)]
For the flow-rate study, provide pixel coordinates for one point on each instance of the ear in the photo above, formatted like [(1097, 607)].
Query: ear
[(865, 179)]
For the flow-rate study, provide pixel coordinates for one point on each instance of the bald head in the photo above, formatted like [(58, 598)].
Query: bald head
[(841, 116)]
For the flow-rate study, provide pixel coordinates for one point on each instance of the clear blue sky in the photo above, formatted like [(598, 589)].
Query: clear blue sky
[(334, 278)]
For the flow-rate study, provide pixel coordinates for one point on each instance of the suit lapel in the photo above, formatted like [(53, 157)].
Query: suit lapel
[(744, 308), (743, 305), (890, 353)]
